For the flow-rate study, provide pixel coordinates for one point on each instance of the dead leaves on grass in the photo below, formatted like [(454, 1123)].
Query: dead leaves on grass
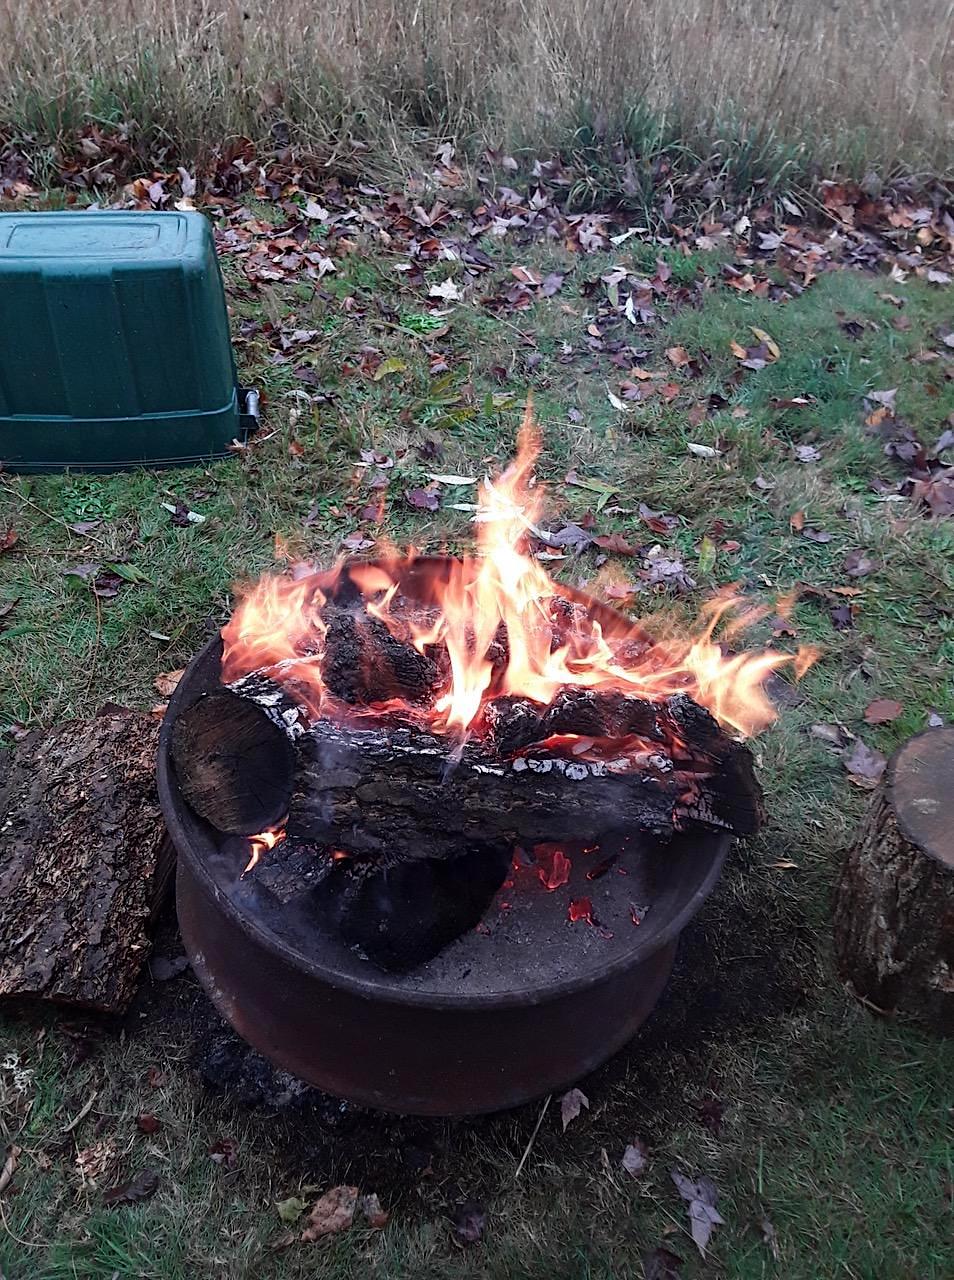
[(333, 1212), (142, 1187), (864, 765), (701, 1196), (571, 1104)]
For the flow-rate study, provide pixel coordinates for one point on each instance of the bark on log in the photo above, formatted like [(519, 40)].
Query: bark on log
[(84, 859), (396, 793), (894, 903)]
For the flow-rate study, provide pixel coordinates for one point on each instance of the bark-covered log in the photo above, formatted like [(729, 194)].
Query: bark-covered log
[(395, 792), (894, 904), (83, 860)]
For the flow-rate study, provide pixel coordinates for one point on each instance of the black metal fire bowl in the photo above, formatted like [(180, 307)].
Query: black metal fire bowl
[(526, 1005)]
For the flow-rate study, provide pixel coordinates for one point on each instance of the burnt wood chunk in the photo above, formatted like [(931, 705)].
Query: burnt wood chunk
[(234, 758), (84, 860), (364, 663), (894, 903)]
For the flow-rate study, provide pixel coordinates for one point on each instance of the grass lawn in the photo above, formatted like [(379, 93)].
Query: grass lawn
[(809, 1114)]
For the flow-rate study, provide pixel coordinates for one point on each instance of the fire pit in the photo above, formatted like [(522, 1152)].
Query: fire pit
[(440, 822)]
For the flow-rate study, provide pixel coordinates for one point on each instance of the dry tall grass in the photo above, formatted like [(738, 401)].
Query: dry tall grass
[(809, 82)]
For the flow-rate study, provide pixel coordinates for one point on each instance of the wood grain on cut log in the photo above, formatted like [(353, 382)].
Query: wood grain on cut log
[(894, 903), (83, 860), (233, 755)]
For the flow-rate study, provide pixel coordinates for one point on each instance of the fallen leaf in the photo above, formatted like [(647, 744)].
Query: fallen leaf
[(702, 450), (605, 491), (147, 1123), (182, 517), (447, 290), (807, 453), (526, 275), (224, 1151), (616, 544), (10, 538), (370, 1208), (290, 1210), (635, 1158), (423, 499), (452, 480), (769, 342), (884, 398), (357, 542), (701, 1197), (144, 1185), (882, 711), (571, 536), (935, 720), (388, 367), (830, 733), (570, 1105), (797, 521), (85, 526), (816, 535), (707, 555), (166, 681), (842, 617), (469, 1220), (864, 765), (656, 521), (334, 1212), (857, 564), (678, 356)]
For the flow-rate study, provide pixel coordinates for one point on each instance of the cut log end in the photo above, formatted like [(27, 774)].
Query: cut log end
[(894, 903), (234, 763)]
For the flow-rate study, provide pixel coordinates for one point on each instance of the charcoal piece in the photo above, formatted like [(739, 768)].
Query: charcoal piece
[(364, 663), (400, 917)]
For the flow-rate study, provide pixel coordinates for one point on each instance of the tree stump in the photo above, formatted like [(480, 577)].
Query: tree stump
[(84, 860), (894, 904)]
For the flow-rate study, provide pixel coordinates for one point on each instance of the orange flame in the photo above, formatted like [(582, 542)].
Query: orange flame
[(260, 844), (505, 624)]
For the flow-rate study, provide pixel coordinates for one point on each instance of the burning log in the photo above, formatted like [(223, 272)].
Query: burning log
[(84, 861), (894, 904), (589, 763)]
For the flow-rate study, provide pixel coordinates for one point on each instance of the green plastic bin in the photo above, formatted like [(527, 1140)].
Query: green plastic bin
[(114, 343)]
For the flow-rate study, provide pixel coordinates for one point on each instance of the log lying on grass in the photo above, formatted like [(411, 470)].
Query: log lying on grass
[(894, 904), (84, 860), (387, 789)]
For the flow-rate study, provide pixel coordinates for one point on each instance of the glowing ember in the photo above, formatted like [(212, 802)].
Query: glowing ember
[(260, 844), (553, 866), (580, 909), (503, 628)]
